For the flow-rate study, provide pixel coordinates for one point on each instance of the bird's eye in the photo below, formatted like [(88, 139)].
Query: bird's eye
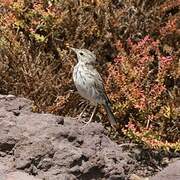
[(81, 53)]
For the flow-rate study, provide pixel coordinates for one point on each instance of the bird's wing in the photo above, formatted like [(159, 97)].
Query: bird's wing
[(98, 83)]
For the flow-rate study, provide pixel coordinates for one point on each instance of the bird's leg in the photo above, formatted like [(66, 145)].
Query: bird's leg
[(80, 115), (92, 115)]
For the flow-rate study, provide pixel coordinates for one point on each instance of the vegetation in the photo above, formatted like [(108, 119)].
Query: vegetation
[(136, 42)]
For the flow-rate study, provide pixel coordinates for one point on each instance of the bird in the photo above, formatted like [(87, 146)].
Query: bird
[(90, 84)]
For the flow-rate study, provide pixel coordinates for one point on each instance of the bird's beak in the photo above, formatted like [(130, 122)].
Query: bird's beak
[(74, 49)]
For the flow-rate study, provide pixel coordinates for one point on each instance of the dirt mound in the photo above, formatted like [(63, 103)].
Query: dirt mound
[(43, 146)]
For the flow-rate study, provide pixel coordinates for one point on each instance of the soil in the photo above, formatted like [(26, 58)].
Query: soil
[(37, 146)]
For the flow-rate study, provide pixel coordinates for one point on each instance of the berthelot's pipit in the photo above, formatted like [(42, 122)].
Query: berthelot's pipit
[(90, 84)]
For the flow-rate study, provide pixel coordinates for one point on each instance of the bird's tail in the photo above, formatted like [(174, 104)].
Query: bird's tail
[(110, 115)]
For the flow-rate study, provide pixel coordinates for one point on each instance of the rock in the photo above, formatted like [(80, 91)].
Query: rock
[(171, 172), (20, 176), (48, 147)]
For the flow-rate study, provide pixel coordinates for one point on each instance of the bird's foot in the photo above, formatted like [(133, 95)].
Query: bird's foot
[(87, 122)]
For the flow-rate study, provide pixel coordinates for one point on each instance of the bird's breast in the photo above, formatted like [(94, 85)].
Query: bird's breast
[(85, 83)]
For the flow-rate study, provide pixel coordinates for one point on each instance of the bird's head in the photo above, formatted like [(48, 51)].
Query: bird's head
[(85, 56)]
